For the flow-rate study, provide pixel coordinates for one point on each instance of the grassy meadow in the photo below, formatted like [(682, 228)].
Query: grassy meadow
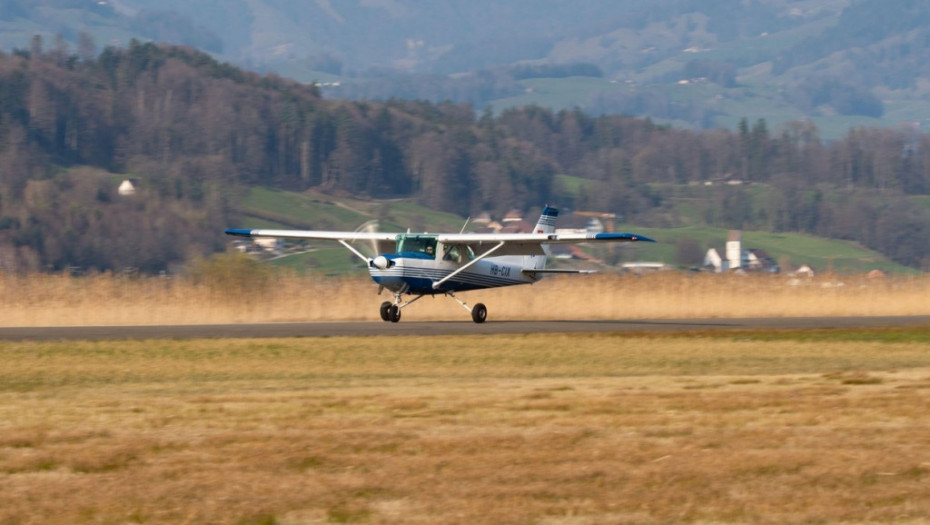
[(272, 208), (240, 290), (786, 427)]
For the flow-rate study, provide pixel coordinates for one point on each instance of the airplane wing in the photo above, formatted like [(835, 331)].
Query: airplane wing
[(314, 235), (384, 240), (532, 243), (510, 243)]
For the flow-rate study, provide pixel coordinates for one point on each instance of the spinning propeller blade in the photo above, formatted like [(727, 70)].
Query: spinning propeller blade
[(370, 227)]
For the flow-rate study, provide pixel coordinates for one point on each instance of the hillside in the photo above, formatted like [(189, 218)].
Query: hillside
[(836, 63), (196, 135)]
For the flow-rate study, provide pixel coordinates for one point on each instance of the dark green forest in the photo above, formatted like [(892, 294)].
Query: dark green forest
[(193, 132)]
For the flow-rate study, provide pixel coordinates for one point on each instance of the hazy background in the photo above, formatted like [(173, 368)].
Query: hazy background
[(837, 62)]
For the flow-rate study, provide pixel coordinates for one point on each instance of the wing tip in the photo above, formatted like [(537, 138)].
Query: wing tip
[(238, 232), (633, 237)]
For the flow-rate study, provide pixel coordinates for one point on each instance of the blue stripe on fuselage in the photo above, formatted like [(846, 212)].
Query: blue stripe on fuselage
[(419, 280), (423, 286)]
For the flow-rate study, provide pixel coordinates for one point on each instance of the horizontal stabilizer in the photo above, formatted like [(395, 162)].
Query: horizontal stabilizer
[(554, 270)]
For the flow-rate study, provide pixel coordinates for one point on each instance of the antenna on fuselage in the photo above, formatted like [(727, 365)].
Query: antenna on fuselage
[(465, 225)]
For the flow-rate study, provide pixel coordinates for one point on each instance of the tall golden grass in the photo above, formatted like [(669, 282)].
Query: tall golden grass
[(46, 300)]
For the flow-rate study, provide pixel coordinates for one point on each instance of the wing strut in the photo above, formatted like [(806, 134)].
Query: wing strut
[(353, 250), (460, 270)]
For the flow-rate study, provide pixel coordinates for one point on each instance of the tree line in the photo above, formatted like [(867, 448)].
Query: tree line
[(192, 130)]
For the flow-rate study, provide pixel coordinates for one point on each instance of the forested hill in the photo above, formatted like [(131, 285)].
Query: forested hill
[(696, 63), (192, 131)]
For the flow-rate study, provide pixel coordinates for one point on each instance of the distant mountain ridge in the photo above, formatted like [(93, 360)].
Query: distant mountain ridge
[(427, 37), (693, 63)]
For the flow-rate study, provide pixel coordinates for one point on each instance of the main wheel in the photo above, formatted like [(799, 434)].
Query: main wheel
[(386, 311), (479, 313), (394, 313)]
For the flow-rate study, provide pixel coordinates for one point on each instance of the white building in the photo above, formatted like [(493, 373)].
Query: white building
[(126, 188), (739, 259), (734, 249)]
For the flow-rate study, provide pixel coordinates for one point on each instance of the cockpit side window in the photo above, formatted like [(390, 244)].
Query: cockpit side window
[(452, 254), (458, 253)]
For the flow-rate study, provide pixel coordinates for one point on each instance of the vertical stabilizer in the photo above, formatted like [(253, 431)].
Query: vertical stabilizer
[(546, 224)]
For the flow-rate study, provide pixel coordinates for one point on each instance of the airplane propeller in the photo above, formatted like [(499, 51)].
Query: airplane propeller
[(370, 227), (374, 258)]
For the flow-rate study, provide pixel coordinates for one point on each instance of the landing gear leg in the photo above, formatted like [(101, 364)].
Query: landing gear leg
[(479, 313), (391, 311)]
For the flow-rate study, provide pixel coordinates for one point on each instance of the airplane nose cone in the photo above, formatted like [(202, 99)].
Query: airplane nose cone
[(380, 262)]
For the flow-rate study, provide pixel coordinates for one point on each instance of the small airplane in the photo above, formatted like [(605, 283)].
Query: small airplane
[(422, 264)]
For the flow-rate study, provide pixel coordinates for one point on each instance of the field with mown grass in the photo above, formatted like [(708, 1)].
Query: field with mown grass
[(756, 427), (237, 289)]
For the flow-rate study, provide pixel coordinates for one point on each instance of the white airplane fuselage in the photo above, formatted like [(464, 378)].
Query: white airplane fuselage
[(415, 273)]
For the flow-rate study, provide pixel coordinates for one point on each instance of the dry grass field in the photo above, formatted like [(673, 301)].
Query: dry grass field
[(45, 300), (784, 427)]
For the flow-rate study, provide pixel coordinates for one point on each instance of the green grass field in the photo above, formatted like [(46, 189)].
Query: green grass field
[(296, 209), (326, 261), (263, 207), (786, 427), (822, 254)]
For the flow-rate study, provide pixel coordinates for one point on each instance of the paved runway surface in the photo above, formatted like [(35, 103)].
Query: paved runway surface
[(410, 328)]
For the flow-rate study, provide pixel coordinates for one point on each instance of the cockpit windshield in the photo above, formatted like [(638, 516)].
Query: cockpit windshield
[(419, 244)]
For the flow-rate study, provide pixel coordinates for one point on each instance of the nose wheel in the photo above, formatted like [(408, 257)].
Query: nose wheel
[(390, 312), (386, 311)]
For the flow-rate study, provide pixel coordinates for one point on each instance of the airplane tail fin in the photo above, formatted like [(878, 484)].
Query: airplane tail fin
[(546, 224)]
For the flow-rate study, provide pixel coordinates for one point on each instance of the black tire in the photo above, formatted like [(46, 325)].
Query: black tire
[(394, 313), (386, 311), (479, 313)]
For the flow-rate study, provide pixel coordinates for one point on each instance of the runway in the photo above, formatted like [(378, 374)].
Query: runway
[(409, 328)]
